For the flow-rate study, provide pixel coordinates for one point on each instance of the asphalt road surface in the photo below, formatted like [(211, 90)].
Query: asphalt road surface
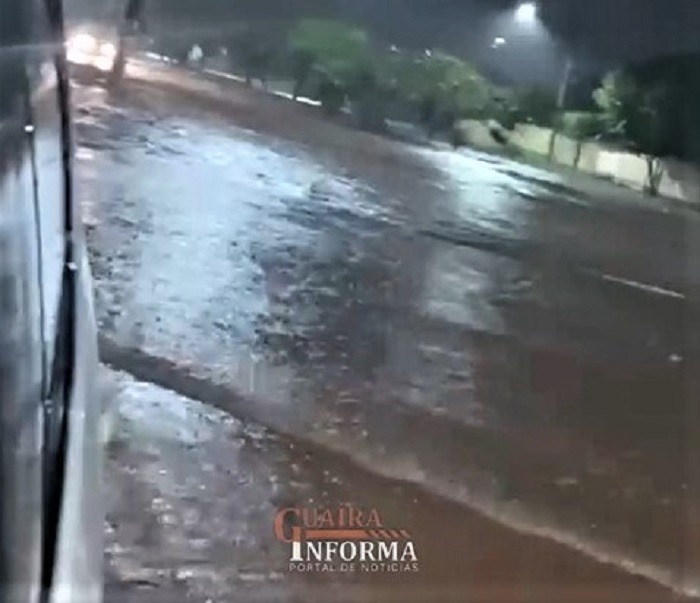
[(511, 342), (192, 494)]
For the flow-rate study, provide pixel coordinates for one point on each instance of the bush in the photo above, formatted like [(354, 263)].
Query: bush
[(333, 47), (332, 95), (537, 106), (583, 125)]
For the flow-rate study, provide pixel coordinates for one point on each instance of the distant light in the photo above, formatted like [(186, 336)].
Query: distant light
[(499, 41), (526, 12)]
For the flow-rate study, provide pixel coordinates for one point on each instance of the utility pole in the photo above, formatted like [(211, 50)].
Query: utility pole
[(132, 22), (564, 84), (561, 102)]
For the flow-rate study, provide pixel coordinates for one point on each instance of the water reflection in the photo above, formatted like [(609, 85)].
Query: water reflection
[(413, 310)]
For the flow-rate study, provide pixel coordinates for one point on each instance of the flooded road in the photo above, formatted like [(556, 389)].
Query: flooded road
[(456, 320), (192, 494)]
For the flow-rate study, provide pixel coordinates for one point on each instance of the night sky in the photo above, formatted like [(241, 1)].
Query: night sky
[(598, 33), (613, 27), (629, 28)]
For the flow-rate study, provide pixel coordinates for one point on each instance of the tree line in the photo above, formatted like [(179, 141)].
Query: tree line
[(649, 109), (340, 66)]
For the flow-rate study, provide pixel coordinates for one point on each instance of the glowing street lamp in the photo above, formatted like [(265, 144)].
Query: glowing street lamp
[(526, 12), (526, 15)]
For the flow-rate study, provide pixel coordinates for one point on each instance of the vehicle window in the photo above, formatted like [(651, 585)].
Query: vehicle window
[(20, 323), (48, 165), (453, 241)]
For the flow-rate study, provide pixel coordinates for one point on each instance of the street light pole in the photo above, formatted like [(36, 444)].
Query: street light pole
[(564, 84), (132, 22), (527, 13), (561, 102)]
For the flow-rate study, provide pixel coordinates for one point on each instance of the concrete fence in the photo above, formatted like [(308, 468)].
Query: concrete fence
[(679, 181), (531, 138)]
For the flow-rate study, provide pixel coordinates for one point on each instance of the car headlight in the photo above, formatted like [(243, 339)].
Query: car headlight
[(85, 49), (108, 50), (82, 42)]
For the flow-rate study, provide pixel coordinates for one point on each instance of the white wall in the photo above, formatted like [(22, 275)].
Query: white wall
[(532, 138), (680, 180), (476, 133), (565, 150)]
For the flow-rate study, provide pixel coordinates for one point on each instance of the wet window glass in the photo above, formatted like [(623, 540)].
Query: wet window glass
[(20, 321), (46, 134), (446, 248)]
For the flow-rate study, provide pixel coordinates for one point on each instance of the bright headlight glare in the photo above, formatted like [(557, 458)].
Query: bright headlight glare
[(83, 42), (103, 63), (108, 50)]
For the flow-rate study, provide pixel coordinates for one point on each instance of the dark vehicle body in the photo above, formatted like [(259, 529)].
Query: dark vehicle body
[(50, 415)]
